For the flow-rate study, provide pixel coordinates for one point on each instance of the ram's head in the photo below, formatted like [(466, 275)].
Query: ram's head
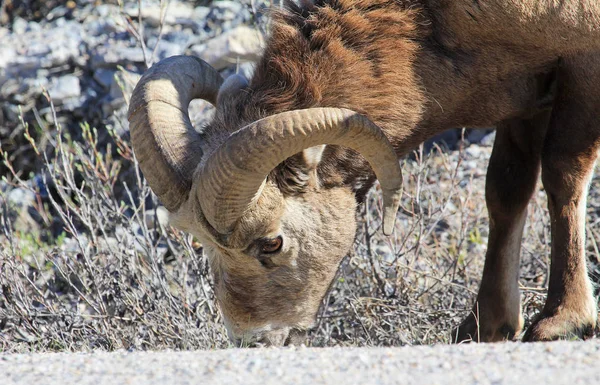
[(273, 254)]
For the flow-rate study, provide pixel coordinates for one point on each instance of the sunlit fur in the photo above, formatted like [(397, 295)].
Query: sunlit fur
[(416, 68)]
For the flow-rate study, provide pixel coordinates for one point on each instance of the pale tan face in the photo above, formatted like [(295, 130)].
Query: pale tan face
[(265, 290)]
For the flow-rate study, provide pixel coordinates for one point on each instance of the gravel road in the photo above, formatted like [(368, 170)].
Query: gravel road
[(510, 363)]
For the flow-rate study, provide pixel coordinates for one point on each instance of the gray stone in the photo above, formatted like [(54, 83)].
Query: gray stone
[(9, 87), (488, 140), (226, 10), (33, 26), (75, 245), (109, 244), (64, 44), (201, 113), (26, 65), (224, 16), (19, 26), (111, 105), (121, 232), (23, 335), (474, 151), (449, 138), (71, 104), (21, 197), (242, 44), (99, 28), (35, 49), (57, 13), (119, 89), (8, 55), (32, 87), (106, 10), (143, 247), (38, 48), (476, 135), (167, 49), (114, 54), (176, 13), (22, 212), (200, 13), (104, 77), (63, 88), (60, 22), (11, 112), (182, 38), (161, 250), (117, 120)]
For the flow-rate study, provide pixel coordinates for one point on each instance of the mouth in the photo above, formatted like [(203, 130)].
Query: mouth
[(277, 338)]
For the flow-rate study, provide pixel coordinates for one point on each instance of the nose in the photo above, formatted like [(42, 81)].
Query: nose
[(275, 338)]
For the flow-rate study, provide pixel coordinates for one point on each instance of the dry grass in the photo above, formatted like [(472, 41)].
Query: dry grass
[(100, 271)]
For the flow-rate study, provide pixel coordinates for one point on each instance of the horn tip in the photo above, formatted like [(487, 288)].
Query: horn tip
[(391, 203), (388, 226)]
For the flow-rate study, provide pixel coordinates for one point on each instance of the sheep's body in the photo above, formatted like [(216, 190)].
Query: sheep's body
[(415, 68)]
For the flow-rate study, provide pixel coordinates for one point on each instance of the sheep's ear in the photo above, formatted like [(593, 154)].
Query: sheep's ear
[(312, 156), (230, 86), (298, 173)]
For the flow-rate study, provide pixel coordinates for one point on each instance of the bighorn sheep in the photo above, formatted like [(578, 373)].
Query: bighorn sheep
[(343, 89)]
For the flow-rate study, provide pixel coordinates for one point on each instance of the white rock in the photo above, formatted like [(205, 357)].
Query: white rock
[(109, 244), (152, 14), (242, 44), (488, 140), (160, 216), (21, 197), (63, 88), (476, 135), (72, 245), (200, 13), (8, 55), (19, 26), (127, 80), (247, 69), (106, 10), (201, 113), (474, 151), (115, 53), (226, 10), (167, 49)]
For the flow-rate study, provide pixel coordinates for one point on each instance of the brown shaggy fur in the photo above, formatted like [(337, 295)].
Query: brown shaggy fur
[(416, 68)]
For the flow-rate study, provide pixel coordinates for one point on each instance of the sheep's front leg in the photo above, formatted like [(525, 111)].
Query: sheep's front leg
[(511, 179), (568, 158)]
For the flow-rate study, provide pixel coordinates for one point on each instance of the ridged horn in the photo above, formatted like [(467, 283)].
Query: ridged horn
[(165, 142), (231, 180)]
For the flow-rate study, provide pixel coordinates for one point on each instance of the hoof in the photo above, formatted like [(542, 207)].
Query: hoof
[(474, 330), (559, 326)]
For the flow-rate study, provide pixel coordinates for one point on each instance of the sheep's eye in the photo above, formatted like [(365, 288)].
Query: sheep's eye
[(270, 246)]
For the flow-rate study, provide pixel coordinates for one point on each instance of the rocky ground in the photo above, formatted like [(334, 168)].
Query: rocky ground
[(86, 53), (87, 259)]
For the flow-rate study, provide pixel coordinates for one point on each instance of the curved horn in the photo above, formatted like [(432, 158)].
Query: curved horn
[(165, 142), (231, 180)]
